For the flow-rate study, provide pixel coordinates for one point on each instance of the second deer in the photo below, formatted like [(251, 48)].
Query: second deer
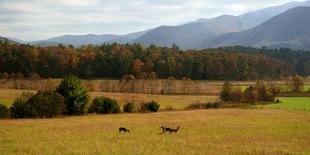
[(170, 130)]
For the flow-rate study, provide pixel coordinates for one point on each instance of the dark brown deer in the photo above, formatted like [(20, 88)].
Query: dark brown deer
[(173, 130), (164, 128), (123, 129)]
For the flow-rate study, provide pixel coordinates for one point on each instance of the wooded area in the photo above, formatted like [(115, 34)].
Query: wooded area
[(113, 61)]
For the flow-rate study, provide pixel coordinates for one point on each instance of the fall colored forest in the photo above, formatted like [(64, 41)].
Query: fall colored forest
[(115, 61)]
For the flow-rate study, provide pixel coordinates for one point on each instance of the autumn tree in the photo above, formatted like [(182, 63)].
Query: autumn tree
[(250, 95), (298, 84), (137, 67), (226, 92)]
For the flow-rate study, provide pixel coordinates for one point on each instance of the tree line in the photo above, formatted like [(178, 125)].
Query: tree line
[(114, 61)]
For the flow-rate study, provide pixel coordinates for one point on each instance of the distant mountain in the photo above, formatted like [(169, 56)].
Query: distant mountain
[(2, 39), (188, 35), (191, 34), (79, 40), (290, 29), (18, 40)]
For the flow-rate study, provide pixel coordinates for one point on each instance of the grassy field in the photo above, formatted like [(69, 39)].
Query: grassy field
[(224, 131), (290, 103), (177, 102)]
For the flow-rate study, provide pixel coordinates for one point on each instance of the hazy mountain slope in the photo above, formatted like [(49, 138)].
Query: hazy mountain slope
[(290, 29), (190, 35), (2, 39), (78, 40)]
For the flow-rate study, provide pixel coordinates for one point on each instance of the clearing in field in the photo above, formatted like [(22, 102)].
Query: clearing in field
[(224, 131)]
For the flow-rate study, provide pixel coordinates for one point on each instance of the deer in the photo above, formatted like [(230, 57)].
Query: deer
[(123, 129), (164, 128), (170, 130), (173, 130)]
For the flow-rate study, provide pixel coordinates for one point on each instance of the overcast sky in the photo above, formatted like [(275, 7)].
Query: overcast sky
[(41, 19)]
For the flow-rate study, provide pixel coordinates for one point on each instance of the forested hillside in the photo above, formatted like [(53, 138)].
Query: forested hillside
[(116, 60)]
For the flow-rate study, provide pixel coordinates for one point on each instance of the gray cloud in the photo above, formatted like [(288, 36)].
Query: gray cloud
[(37, 19)]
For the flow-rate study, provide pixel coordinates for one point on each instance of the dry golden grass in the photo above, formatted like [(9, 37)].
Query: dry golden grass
[(224, 131), (177, 102)]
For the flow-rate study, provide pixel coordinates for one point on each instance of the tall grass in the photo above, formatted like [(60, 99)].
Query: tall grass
[(224, 131)]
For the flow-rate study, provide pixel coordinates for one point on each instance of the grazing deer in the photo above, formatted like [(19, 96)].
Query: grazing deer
[(164, 128), (123, 129), (173, 130)]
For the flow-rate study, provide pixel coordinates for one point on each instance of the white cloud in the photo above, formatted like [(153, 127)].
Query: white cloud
[(38, 19)]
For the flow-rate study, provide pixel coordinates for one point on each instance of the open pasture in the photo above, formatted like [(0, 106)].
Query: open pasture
[(223, 131), (290, 103)]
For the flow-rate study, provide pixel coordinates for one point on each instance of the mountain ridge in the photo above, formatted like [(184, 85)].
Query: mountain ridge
[(290, 29)]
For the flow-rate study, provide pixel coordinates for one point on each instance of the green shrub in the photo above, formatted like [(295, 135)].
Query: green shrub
[(208, 105), (92, 108), (46, 105), (19, 108), (42, 104), (105, 105), (75, 94), (149, 107), (4, 111), (129, 107), (216, 105), (225, 94)]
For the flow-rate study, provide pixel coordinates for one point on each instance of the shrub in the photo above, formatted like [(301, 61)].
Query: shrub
[(208, 105), (298, 84), (250, 95), (4, 111), (236, 95), (46, 105), (216, 105), (104, 105), (42, 104), (226, 92), (129, 107), (75, 94), (149, 107), (19, 108)]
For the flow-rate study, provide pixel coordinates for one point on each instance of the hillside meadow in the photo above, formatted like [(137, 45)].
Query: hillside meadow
[(224, 131)]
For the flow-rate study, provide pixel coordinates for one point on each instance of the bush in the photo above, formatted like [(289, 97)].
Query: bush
[(75, 94), (208, 105), (129, 107), (19, 108), (149, 107), (250, 95), (46, 105), (4, 111), (226, 92), (104, 105), (43, 104), (298, 84)]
